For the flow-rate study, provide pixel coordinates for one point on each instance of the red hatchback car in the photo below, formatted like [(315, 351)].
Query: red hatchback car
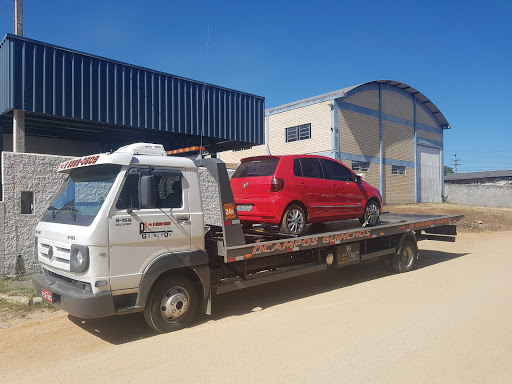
[(291, 191)]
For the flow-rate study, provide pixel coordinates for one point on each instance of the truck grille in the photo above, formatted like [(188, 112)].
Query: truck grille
[(54, 253)]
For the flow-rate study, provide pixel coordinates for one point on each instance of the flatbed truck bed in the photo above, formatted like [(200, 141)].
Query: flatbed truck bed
[(334, 244)]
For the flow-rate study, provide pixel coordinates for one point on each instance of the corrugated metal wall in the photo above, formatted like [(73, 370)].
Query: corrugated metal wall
[(42, 78), (359, 134)]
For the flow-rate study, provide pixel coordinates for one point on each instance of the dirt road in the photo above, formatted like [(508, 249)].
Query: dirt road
[(449, 321)]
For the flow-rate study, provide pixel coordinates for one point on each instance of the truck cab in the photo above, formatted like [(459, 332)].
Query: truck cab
[(117, 222)]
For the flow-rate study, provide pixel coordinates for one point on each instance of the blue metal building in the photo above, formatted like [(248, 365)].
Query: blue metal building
[(73, 95)]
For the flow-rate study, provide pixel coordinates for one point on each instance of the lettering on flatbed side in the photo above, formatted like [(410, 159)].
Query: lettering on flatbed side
[(309, 242), (345, 236)]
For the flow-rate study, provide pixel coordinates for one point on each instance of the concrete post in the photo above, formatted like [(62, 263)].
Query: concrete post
[(18, 120), (18, 17), (18, 131)]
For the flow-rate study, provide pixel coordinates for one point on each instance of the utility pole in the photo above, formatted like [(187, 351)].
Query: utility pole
[(18, 17), (456, 162), (18, 117)]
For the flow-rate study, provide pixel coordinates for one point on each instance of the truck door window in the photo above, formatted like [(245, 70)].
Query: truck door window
[(169, 191), (129, 198)]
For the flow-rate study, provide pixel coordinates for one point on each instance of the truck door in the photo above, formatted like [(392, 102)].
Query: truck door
[(137, 236)]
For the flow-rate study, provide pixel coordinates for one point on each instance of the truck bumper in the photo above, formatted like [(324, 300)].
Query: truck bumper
[(75, 300)]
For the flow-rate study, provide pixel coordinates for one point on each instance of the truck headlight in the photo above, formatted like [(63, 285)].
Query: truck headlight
[(79, 260)]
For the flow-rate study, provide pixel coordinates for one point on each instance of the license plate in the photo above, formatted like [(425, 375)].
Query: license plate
[(244, 207), (47, 295)]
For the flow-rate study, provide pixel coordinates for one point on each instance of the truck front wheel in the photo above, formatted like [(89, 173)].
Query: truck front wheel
[(172, 304)]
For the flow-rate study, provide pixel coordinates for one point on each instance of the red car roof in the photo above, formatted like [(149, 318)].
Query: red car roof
[(266, 157)]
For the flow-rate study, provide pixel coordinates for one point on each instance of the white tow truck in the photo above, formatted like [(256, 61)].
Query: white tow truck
[(127, 233)]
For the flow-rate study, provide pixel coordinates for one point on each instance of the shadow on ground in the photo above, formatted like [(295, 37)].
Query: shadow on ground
[(132, 327)]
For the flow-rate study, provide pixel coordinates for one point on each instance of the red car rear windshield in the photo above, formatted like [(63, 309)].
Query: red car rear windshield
[(265, 167)]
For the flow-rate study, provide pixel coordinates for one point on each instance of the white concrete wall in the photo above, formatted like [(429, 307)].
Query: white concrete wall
[(489, 195), (2, 238), (25, 172)]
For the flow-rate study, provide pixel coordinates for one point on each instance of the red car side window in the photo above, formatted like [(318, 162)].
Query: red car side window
[(336, 171), (297, 170), (311, 168)]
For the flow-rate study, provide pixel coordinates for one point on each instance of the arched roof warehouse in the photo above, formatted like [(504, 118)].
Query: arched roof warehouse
[(348, 91)]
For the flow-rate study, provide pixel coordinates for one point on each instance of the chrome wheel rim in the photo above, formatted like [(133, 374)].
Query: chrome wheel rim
[(407, 257), (372, 213), (295, 221), (174, 304)]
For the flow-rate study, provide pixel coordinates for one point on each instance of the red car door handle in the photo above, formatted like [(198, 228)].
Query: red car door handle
[(335, 187), (303, 185)]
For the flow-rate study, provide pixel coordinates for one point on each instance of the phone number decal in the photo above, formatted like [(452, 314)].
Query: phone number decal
[(89, 160)]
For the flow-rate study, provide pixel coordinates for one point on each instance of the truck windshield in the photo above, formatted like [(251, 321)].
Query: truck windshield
[(82, 195)]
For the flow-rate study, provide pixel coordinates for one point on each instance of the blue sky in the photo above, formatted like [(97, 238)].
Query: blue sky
[(458, 53)]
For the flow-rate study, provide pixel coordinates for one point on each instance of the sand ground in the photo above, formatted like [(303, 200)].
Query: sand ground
[(449, 321)]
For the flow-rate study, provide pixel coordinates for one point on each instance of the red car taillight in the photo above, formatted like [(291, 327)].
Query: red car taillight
[(276, 184)]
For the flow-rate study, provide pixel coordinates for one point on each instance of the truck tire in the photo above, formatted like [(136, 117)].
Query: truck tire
[(405, 259), (371, 208), (293, 221), (172, 304)]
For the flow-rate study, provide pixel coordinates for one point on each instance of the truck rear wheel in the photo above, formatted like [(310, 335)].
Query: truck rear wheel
[(404, 260), (172, 304)]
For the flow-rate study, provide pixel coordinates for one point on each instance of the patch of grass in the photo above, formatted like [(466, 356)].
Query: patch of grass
[(16, 310), (17, 286), (19, 310)]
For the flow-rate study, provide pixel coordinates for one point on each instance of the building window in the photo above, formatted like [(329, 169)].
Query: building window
[(27, 203), (361, 166), (299, 132), (241, 149), (397, 170)]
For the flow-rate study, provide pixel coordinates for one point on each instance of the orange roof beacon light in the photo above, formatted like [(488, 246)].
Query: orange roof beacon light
[(189, 151)]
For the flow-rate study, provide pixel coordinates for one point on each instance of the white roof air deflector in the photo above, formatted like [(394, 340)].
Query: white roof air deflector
[(144, 149)]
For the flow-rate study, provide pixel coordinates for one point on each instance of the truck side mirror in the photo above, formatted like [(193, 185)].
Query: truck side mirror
[(358, 179), (147, 191)]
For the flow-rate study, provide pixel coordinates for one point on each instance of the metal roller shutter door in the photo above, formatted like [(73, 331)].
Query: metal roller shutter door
[(429, 174)]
